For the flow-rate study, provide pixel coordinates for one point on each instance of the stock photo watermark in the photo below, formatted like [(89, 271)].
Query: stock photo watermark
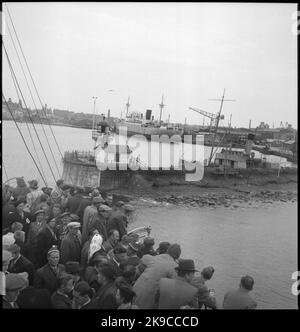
[(160, 153)]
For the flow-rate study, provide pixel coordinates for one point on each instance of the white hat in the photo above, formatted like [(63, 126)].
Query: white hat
[(95, 245)]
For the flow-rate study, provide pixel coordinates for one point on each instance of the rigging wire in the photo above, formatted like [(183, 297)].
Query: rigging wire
[(11, 20), (13, 74), (40, 120), (27, 125), (24, 140)]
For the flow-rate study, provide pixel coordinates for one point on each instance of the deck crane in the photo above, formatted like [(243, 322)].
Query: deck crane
[(213, 117), (214, 120)]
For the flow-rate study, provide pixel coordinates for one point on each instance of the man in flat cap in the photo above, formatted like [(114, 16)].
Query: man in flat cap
[(89, 212), (71, 245), (61, 227), (99, 221), (14, 283), (44, 241), (47, 276)]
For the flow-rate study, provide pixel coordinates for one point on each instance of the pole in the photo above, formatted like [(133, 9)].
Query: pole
[(94, 114), (216, 128)]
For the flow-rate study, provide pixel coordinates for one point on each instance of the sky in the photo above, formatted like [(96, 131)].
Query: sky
[(189, 52)]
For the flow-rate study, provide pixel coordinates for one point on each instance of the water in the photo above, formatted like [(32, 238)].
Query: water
[(261, 242)]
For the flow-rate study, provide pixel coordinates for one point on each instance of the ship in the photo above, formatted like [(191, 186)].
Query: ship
[(112, 165)]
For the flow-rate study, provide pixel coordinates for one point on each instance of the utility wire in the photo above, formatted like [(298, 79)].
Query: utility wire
[(24, 140), (13, 74)]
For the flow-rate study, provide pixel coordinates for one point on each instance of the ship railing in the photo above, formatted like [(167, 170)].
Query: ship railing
[(79, 156)]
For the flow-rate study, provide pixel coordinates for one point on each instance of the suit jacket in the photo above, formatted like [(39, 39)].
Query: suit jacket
[(45, 277), (175, 293), (97, 222), (22, 265), (106, 297), (70, 249), (60, 301), (44, 241), (118, 221), (74, 202)]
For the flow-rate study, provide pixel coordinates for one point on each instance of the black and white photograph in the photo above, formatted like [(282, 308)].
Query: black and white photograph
[(149, 158)]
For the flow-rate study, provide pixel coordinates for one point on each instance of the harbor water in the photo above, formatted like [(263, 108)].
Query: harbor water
[(261, 242)]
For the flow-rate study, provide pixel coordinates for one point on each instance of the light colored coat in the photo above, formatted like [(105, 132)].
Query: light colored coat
[(175, 293), (157, 267), (89, 212)]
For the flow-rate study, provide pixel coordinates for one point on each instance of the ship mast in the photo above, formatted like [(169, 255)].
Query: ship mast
[(217, 123), (161, 105), (127, 106)]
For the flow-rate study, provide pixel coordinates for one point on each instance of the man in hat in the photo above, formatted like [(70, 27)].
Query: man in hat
[(85, 201), (8, 210), (61, 298), (19, 263), (14, 283), (90, 212), (132, 252), (106, 295), (185, 294), (119, 219), (19, 237), (33, 198), (163, 248), (99, 221), (240, 298), (147, 247), (82, 296), (75, 200), (75, 270), (204, 296), (36, 226), (47, 276), (71, 246), (91, 272), (44, 241), (150, 271), (61, 226), (33, 298), (21, 215)]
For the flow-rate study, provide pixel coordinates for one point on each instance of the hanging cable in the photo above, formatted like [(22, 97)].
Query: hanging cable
[(32, 78), (34, 102), (13, 74), (24, 140), (27, 125)]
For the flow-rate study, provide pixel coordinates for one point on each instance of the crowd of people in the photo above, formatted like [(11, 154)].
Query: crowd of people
[(69, 248)]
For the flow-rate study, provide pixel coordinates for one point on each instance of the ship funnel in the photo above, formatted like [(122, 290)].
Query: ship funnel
[(148, 114)]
